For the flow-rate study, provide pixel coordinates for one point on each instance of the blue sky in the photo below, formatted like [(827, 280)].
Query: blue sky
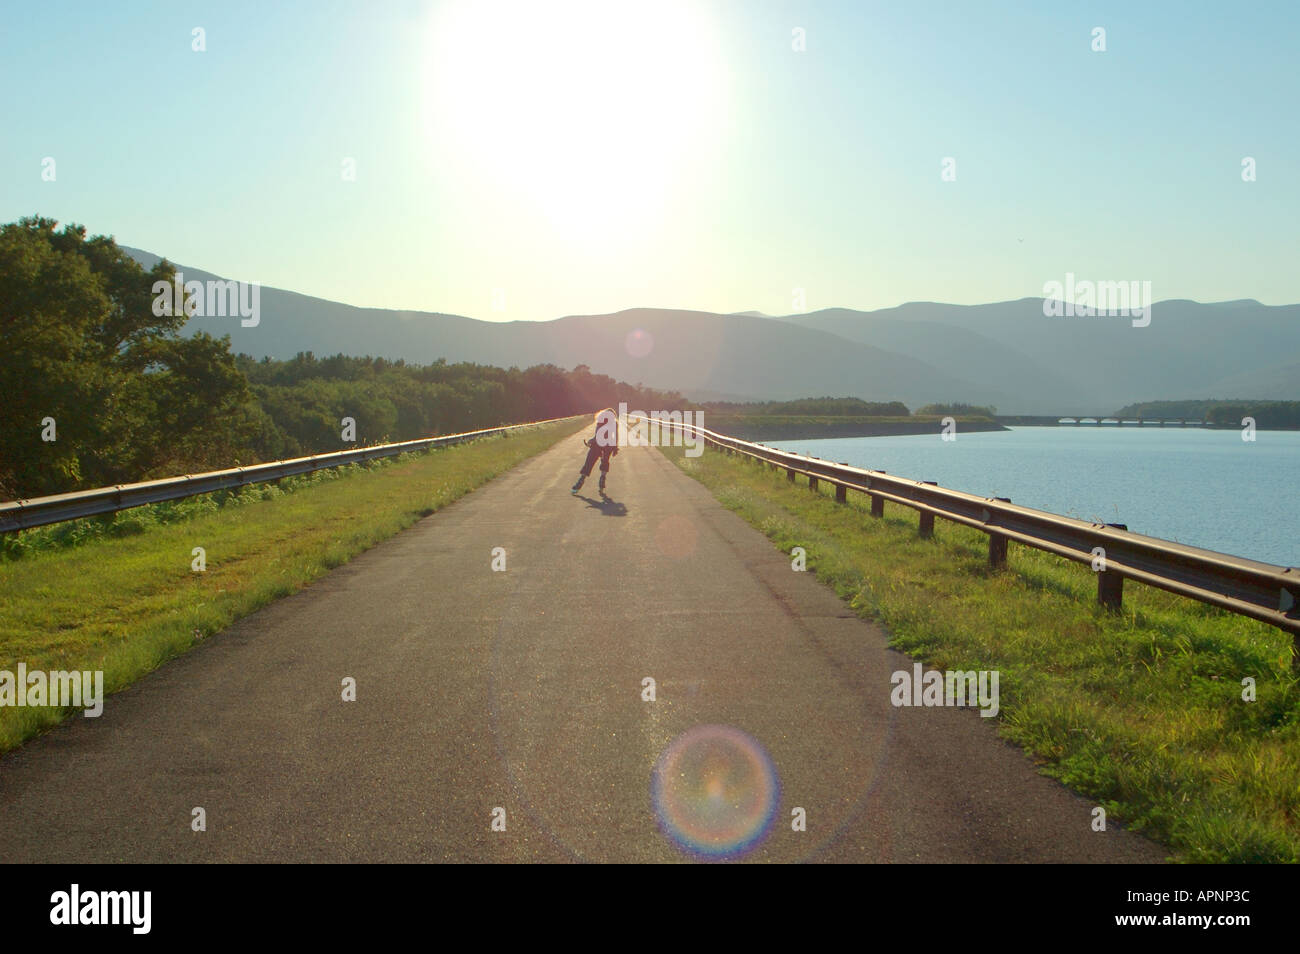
[(526, 161)]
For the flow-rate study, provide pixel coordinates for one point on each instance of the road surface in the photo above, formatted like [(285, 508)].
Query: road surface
[(522, 689)]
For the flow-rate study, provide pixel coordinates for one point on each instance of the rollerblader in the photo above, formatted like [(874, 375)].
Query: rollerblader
[(602, 445)]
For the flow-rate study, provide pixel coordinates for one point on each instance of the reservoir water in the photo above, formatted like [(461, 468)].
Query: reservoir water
[(1205, 488)]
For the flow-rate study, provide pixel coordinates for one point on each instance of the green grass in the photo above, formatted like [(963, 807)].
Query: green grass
[(125, 601), (1140, 710)]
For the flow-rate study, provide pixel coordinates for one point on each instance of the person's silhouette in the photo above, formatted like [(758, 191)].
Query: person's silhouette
[(602, 445)]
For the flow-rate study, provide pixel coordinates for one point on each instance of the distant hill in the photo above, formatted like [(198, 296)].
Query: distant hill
[(699, 353), (1005, 354), (1269, 384), (1231, 349)]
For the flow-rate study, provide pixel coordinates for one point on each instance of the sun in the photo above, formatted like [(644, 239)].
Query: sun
[(587, 112)]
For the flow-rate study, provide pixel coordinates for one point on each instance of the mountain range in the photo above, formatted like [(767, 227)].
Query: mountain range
[(1007, 354)]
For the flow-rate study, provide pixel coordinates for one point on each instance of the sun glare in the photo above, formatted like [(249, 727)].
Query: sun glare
[(589, 111)]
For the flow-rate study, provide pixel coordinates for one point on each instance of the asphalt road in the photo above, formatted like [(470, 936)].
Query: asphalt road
[(522, 690)]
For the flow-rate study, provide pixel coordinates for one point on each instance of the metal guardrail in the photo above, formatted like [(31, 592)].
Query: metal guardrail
[(1261, 591), (39, 511)]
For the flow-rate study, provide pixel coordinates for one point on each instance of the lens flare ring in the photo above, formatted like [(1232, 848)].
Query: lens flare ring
[(715, 792)]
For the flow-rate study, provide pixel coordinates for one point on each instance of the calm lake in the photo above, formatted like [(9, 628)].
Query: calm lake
[(1200, 487)]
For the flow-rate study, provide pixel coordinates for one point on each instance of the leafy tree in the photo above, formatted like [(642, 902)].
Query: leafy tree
[(49, 302), (967, 410), (83, 346)]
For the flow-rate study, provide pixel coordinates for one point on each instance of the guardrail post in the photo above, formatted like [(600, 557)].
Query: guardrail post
[(1110, 589), (1110, 585), (998, 543), (877, 503), (789, 474), (841, 493), (927, 519), (812, 483)]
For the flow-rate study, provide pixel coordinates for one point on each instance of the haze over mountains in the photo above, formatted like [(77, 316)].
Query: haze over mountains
[(1007, 354)]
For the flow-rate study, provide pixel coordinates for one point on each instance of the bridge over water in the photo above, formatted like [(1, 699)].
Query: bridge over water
[(1096, 420)]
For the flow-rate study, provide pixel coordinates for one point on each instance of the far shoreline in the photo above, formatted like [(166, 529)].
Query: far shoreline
[(766, 428), (762, 428)]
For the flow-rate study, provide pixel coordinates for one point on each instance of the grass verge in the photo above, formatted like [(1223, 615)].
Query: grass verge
[(127, 601), (1143, 710)]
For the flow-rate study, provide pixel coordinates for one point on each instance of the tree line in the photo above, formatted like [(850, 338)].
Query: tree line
[(843, 407), (96, 389), (1225, 413), (811, 407)]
